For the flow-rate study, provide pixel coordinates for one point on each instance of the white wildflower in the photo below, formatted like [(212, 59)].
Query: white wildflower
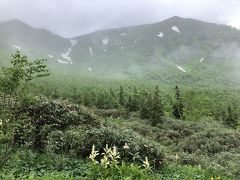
[(126, 146), (93, 155), (146, 164)]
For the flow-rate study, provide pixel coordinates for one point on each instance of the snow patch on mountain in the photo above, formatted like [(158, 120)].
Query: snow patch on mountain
[(89, 69), (122, 48), (202, 59), (176, 29), (105, 41), (73, 42), (63, 62), (16, 47), (179, 67), (90, 50), (51, 56), (160, 35), (123, 34), (66, 55), (105, 50)]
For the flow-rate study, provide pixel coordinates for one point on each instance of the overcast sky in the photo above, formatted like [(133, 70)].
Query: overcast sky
[(75, 17)]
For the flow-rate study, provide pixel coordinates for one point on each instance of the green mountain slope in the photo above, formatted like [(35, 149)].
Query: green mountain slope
[(15, 34), (165, 50), (173, 50)]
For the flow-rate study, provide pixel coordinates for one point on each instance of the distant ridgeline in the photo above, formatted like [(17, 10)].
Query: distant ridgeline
[(174, 50)]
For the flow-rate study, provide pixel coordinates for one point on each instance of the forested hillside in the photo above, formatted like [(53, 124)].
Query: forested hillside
[(104, 128)]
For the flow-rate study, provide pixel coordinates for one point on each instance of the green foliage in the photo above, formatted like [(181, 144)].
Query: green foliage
[(188, 172), (145, 109), (178, 105), (26, 164), (43, 116), (111, 167), (79, 142), (206, 143), (133, 101), (121, 97), (231, 117), (21, 71), (64, 129), (13, 81), (156, 108)]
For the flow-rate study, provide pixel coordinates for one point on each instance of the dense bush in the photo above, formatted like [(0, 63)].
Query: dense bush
[(206, 143), (79, 142), (40, 116)]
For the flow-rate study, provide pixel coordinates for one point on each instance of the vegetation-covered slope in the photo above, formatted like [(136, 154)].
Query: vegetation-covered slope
[(175, 50), (133, 132), (196, 46), (35, 42)]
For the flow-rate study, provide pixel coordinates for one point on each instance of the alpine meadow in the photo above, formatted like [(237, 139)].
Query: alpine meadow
[(144, 101)]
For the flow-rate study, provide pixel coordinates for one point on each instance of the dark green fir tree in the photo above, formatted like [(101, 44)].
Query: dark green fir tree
[(178, 105), (231, 117), (156, 108)]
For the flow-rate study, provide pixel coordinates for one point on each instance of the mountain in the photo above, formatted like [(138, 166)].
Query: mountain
[(35, 42), (175, 49)]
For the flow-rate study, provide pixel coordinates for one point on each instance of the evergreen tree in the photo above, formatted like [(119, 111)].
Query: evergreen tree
[(121, 97), (133, 101), (145, 107), (112, 93), (178, 105), (101, 100), (156, 108), (129, 103), (231, 117)]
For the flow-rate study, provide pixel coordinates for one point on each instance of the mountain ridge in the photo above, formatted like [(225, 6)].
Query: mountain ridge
[(175, 48), (173, 18)]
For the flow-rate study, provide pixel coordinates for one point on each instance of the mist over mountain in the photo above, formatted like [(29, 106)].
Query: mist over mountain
[(176, 47)]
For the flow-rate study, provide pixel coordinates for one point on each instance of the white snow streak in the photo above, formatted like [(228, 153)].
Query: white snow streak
[(90, 50), (73, 42), (89, 69), (202, 59), (51, 56), (160, 35), (175, 28), (179, 67), (105, 41), (63, 62), (123, 34), (66, 55)]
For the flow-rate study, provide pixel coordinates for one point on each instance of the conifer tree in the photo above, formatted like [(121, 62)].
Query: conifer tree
[(129, 103), (156, 108), (101, 100), (178, 105), (133, 101), (145, 107), (112, 93), (121, 97), (231, 117)]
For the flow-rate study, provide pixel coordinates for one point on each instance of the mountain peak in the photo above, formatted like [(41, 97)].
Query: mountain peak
[(15, 22), (174, 19)]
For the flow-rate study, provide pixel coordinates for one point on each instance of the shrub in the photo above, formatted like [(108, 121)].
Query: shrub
[(79, 142), (40, 117), (111, 167)]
